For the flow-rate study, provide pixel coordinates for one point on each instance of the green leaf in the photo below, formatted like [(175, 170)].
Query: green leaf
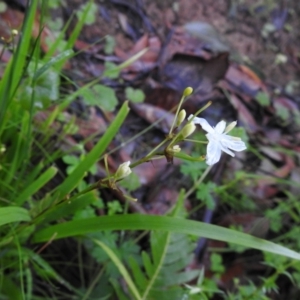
[(71, 159), (68, 208), (88, 96), (110, 44), (105, 97), (16, 67), (13, 214), (131, 182), (147, 264), (111, 70), (263, 99), (170, 224), (216, 263), (60, 57), (45, 89), (137, 273), (88, 13), (100, 95), (204, 193), (10, 289), (114, 207), (121, 268), (36, 185), (135, 96)]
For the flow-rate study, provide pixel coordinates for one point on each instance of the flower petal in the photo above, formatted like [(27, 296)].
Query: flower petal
[(220, 127), (226, 150), (204, 124), (237, 146), (232, 143), (213, 152)]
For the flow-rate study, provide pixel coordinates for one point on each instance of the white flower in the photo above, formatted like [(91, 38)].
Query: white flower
[(123, 170), (218, 140)]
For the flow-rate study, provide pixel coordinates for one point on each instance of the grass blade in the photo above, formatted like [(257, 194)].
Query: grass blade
[(92, 157), (60, 57), (36, 185), (12, 214), (121, 269), (171, 224)]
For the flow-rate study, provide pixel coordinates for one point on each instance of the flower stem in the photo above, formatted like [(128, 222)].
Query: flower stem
[(176, 115)]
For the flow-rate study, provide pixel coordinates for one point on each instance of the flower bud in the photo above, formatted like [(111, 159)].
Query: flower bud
[(14, 32), (188, 129), (230, 126), (180, 118), (176, 149), (187, 91), (123, 170)]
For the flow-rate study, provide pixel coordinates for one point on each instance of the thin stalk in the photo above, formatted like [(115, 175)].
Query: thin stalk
[(200, 180)]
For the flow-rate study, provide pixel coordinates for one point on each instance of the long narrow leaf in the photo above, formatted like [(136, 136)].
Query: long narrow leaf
[(60, 57), (142, 222), (93, 156), (13, 214), (36, 185), (121, 268), (15, 67)]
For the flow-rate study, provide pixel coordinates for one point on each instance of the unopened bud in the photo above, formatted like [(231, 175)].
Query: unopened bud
[(176, 149), (187, 91), (123, 170), (14, 32), (180, 118), (230, 126), (188, 129)]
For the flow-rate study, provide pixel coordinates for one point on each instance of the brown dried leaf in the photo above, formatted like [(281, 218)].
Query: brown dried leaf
[(244, 114), (153, 114)]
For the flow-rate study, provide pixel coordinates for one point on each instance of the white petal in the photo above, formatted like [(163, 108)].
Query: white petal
[(213, 152), (233, 143), (226, 150), (204, 124), (237, 146), (220, 127)]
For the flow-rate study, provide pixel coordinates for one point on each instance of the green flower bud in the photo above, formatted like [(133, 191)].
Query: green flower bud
[(188, 129), (187, 91), (180, 118)]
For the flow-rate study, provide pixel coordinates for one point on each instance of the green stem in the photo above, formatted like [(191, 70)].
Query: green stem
[(195, 141), (176, 115), (147, 158), (150, 154), (200, 110), (200, 180)]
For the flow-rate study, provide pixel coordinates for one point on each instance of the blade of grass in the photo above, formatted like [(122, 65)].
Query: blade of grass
[(10, 289), (76, 31), (121, 269), (68, 208), (92, 157), (59, 39), (12, 214), (171, 224), (19, 151), (15, 68), (36, 185), (55, 60)]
